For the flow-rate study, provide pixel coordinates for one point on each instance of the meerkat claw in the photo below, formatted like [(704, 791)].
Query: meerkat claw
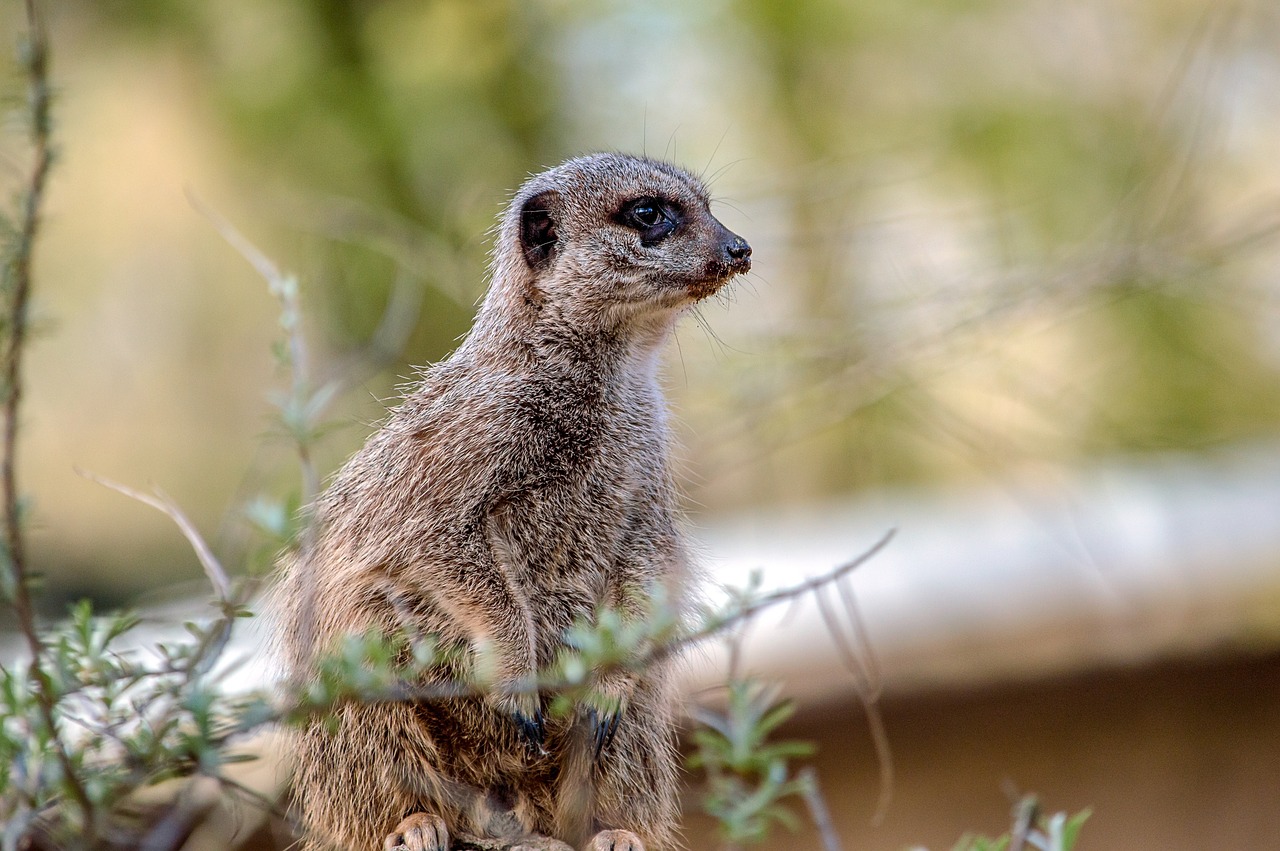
[(534, 730), (604, 726), (613, 728)]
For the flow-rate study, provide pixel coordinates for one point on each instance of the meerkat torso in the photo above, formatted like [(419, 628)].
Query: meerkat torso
[(574, 485), (523, 485)]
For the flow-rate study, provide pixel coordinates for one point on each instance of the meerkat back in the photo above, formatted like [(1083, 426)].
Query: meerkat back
[(521, 487)]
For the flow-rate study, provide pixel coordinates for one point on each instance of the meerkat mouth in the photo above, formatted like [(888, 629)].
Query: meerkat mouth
[(718, 275)]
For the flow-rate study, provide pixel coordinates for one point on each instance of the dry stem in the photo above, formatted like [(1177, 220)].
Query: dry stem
[(36, 62), (163, 503)]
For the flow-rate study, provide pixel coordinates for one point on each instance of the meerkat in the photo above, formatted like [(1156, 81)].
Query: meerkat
[(521, 485)]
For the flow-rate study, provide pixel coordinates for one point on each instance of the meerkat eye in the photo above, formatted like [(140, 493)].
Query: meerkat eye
[(653, 217), (646, 215)]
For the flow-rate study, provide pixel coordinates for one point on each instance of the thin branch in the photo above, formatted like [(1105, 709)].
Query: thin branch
[(769, 600), (1024, 819), (285, 289), (246, 249), (818, 811), (163, 503), (35, 57), (266, 803), (19, 275), (871, 704), (871, 663), (868, 692), (884, 758), (844, 648)]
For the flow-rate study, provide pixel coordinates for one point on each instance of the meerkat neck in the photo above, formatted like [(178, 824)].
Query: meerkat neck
[(540, 335)]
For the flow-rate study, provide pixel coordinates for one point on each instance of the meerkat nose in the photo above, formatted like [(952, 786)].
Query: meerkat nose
[(738, 254)]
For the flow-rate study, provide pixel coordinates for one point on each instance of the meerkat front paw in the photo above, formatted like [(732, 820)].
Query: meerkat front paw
[(615, 840), (418, 832)]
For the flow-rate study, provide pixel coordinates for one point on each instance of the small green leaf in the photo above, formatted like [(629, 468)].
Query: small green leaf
[(1071, 831)]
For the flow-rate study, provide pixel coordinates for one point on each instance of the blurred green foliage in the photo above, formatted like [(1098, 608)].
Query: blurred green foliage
[(986, 233), (403, 106), (1031, 829), (749, 778), (418, 110)]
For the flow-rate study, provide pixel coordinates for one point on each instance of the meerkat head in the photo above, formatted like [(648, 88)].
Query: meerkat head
[(608, 237)]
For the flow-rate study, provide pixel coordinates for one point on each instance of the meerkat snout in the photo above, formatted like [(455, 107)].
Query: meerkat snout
[(735, 258), (729, 256)]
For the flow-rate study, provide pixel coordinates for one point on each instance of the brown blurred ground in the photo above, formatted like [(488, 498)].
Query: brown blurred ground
[(1178, 756)]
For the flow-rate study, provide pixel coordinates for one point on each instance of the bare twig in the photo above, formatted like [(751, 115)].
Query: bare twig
[(246, 249), (784, 595), (1025, 813), (35, 56), (284, 288), (818, 809), (868, 691), (18, 275), (303, 403), (875, 681), (214, 642), (163, 503), (849, 656), (884, 758)]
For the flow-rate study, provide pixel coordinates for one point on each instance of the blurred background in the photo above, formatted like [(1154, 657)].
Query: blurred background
[(1016, 294)]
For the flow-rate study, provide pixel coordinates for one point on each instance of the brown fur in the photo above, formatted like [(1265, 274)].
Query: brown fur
[(522, 484)]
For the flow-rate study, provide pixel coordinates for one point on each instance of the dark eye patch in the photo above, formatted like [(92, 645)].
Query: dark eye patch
[(654, 218)]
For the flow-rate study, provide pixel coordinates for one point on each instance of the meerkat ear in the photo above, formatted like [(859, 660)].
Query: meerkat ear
[(538, 230)]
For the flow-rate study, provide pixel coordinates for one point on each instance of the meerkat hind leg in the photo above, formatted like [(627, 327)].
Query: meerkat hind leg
[(419, 832)]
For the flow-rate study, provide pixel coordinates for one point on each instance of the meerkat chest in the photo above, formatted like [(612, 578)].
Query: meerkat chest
[(593, 541), (591, 499)]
